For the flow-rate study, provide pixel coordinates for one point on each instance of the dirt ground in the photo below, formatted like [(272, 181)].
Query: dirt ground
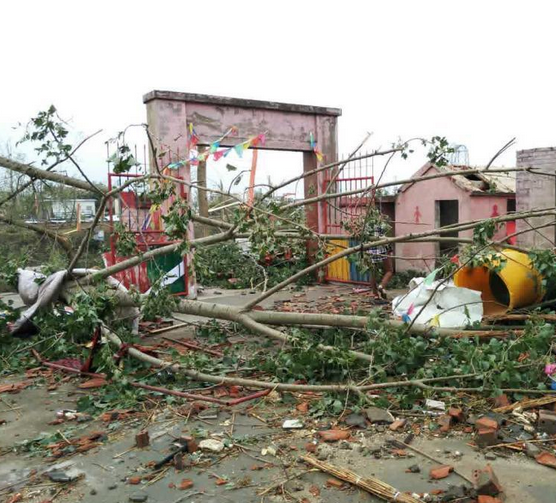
[(259, 461)]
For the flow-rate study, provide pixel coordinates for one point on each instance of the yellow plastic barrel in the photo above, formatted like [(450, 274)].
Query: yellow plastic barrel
[(517, 284)]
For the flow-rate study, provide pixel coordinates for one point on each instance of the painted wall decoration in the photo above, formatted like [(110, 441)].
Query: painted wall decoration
[(417, 215)]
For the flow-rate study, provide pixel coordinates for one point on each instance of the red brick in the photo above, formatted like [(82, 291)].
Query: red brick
[(333, 435), (314, 490), (546, 459), (486, 422), (303, 407), (178, 462), (483, 498), (398, 424), (457, 414), (185, 484), (142, 439), (310, 447), (445, 422), (547, 422), (134, 480), (486, 437), (501, 401), (486, 482), (338, 484), (440, 472)]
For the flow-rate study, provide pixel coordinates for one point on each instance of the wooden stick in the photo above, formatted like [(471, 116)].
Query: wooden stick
[(195, 347), (370, 484), (168, 328), (519, 317), (527, 404)]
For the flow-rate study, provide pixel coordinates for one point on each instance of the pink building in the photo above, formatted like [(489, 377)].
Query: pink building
[(444, 201)]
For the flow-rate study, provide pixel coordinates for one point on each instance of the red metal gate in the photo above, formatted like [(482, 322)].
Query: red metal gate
[(133, 210)]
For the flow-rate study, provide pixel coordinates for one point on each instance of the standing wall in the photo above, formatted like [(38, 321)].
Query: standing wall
[(533, 192)]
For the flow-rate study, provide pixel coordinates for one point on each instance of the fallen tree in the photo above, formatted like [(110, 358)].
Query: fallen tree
[(246, 224)]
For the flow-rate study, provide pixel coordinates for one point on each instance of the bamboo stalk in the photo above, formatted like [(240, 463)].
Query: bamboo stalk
[(370, 484)]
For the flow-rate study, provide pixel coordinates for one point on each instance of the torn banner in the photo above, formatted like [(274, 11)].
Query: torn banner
[(450, 306)]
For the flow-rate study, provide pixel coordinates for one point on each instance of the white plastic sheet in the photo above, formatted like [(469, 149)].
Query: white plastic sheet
[(449, 307)]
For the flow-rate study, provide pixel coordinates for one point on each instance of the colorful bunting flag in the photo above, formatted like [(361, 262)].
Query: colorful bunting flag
[(239, 149), (214, 147), (192, 138), (218, 154), (429, 280), (313, 144)]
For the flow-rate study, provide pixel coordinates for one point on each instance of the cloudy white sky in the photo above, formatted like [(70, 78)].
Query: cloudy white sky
[(476, 72)]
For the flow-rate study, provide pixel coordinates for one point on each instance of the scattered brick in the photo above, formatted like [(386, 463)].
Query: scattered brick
[(142, 439), (501, 401), (547, 422), (486, 422), (310, 447), (546, 459), (314, 490), (185, 484), (398, 424), (486, 437), (457, 414), (134, 480), (303, 407), (399, 452), (178, 462), (334, 435), (221, 482), (337, 484), (486, 482), (440, 472), (483, 498), (445, 423)]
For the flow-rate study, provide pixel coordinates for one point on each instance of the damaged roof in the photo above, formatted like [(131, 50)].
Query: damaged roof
[(476, 183)]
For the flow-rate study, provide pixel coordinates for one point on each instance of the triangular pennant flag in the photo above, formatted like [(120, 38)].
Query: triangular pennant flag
[(246, 144), (202, 156), (262, 138), (312, 140), (255, 141), (406, 318), (239, 149), (319, 155), (429, 280), (192, 139), (410, 309), (435, 322), (218, 154), (227, 151), (214, 147)]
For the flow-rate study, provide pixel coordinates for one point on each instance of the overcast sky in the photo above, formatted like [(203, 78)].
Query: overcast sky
[(476, 72)]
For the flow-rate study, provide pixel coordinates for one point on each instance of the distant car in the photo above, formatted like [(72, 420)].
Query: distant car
[(57, 221), (31, 221)]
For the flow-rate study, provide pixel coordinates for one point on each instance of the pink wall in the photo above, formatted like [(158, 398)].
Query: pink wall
[(415, 213)]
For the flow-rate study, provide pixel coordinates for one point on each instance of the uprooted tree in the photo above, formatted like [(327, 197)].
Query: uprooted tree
[(353, 353)]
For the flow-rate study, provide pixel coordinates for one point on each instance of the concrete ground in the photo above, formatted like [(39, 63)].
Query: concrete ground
[(259, 453)]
